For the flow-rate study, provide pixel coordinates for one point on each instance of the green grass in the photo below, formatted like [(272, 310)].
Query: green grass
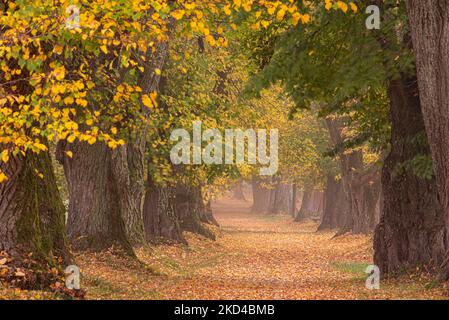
[(355, 268)]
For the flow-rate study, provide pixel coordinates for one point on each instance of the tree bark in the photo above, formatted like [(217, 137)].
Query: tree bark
[(429, 25), (206, 214), (188, 210), (161, 222), (359, 184), (106, 198), (127, 168), (336, 205), (95, 219), (294, 199), (261, 196), (32, 215), (282, 199), (303, 212), (412, 227)]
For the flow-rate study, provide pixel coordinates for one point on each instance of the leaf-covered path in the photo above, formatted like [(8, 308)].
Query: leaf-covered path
[(254, 257)]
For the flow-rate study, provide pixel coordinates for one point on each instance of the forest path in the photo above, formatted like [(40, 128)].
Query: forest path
[(270, 257), (255, 256)]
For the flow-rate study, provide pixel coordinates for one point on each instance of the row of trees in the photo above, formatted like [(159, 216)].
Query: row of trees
[(381, 95), (99, 98), (107, 92)]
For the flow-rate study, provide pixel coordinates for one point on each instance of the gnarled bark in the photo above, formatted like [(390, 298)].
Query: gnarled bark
[(161, 221), (95, 219), (31, 210), (360, 184), (412, 227), (429, 25), (188, 210)]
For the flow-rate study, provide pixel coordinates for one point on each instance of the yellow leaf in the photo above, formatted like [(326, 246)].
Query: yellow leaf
[(5, 156), (40, 146), (69, 100), (57, 49), (92, 140), (178, 14), (104, 49), (71, 138), (69, 154), (149, 101)]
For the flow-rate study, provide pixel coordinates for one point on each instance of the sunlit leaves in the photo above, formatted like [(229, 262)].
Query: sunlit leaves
[(60, 82)]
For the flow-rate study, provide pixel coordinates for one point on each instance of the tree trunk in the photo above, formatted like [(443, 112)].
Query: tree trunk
[(127, 168), (336, 205), (261, 196), (412, 227), (294, 199), (358, 183), (281, 201), (31, 210), (429, 25), (161, 222), (188, 210), (205, 210), (303, 212), (95, 219)]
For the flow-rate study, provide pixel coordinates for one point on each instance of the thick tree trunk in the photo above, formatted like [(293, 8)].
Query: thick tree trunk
[(429, 25), (336, 205), (189, 206), (281, 201), (161, 222), (207, 216), (412, 227), (303, 212), (357, 221), (205, 209), (127, 168), (261, 196), (359, 184), (95, 219), (31, 210)]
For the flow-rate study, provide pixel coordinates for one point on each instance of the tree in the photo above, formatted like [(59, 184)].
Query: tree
[(412, 229), (261, 195), (429, 30), (31, 210), (336, 205)]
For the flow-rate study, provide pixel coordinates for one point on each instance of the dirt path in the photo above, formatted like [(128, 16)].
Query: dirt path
[(269, 257), (254, 257)]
